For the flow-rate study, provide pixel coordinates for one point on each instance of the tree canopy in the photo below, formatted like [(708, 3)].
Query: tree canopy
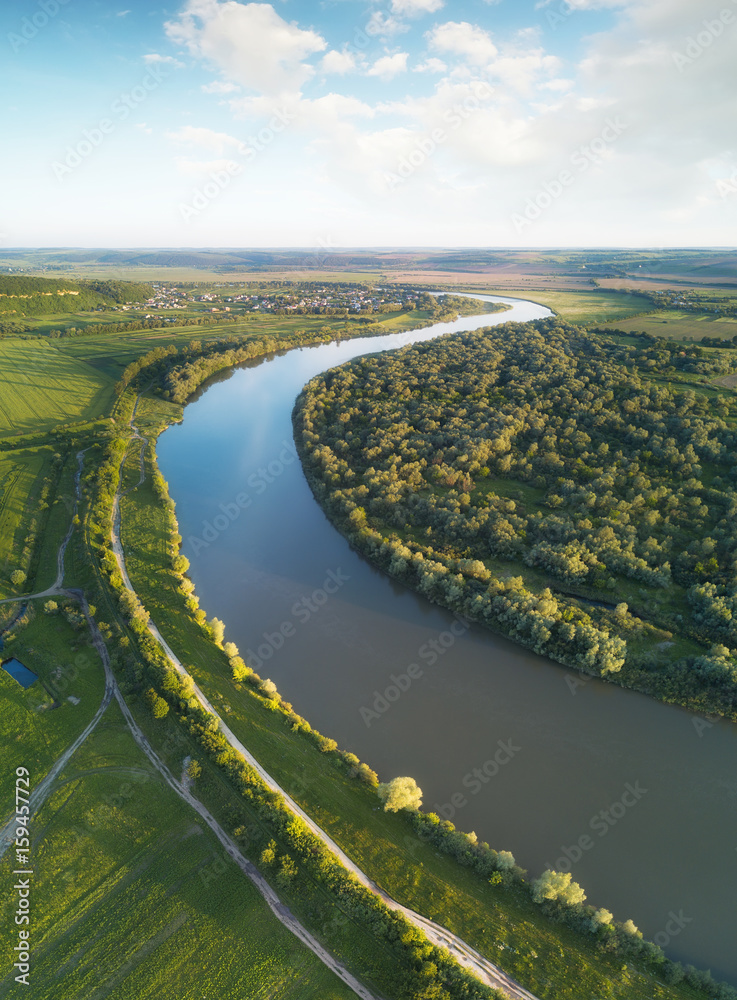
[(400, 793)]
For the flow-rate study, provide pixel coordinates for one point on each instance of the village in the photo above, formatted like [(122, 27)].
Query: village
[(299, 299)]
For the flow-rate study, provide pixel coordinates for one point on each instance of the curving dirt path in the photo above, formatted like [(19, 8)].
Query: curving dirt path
[(466, 956), (436, 933), (281, 912), (43, 789), (56, 588)]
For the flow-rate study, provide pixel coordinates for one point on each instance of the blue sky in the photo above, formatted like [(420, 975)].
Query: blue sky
[(346, 123)]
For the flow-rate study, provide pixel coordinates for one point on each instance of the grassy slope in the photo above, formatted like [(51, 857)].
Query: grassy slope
[(41, 386), (111, 353), (32, 529)]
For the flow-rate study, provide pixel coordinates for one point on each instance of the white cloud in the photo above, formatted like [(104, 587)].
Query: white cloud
[(220, 87), (250, 43), (381, 25), (460, 38), (202, 168), (521, 71), (387, 67), (431, 65), (338, 62), (144, 127), (152, 58), (594, 4), (558, 84), (413, 8), (328, 114), (204, 138), (535, 115)]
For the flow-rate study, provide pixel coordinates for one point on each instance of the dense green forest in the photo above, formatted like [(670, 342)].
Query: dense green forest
[(549, 483), (25, 296)]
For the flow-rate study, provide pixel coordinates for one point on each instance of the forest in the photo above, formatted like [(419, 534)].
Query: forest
[(567, 490), (26, 296)]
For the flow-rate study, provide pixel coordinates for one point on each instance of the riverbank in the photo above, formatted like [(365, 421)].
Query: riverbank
[(292, 774), (499, 920)]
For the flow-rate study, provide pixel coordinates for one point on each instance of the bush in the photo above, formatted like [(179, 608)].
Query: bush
[(268, 689)]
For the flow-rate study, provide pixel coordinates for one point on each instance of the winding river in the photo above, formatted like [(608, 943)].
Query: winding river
[(636, 798)]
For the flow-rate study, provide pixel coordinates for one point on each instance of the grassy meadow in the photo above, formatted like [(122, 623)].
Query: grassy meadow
[(134, 897), (675, 325), (41, 386)]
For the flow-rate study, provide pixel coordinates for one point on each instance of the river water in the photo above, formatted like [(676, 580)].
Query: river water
[(636, 798)]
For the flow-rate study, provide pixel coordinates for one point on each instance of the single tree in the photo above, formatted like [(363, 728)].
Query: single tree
[(400, 793), (557, 886)]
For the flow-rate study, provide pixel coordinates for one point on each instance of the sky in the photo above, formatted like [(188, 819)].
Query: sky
[(346, 123)]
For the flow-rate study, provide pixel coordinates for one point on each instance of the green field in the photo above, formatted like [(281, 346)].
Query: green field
[(593, 306), (19, 473), (41, 386), (674, 325), (32, 732), (134, 897)]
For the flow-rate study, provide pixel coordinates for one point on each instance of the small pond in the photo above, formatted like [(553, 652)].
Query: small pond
[(22, 674)]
